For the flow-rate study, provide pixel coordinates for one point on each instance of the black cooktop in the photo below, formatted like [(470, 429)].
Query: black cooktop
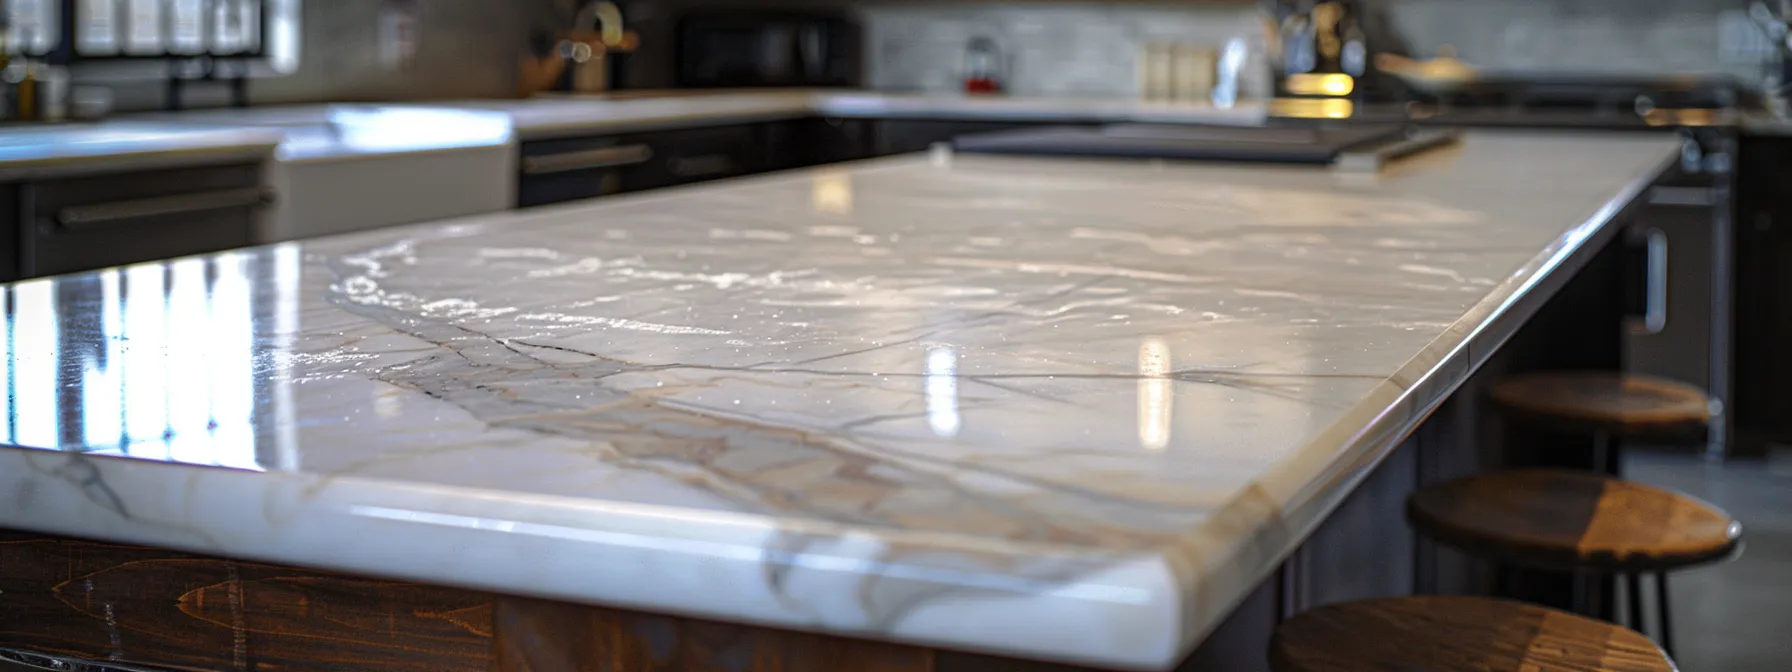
[(1297, 144), (1578, 101)]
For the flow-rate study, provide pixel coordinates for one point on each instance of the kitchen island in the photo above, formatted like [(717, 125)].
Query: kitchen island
[(1055, 410)]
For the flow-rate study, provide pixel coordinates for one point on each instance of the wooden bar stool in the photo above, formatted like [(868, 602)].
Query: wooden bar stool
[(1578, 521), (1440, 633), (1606, 405)]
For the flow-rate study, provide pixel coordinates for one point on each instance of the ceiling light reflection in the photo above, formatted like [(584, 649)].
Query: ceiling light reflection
[(1155, 393), (942, 392), (831, 193)]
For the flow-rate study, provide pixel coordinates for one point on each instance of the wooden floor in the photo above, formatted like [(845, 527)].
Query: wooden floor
[(1732, 617)]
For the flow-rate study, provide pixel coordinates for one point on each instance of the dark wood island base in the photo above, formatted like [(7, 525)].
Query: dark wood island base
[(143, 606)]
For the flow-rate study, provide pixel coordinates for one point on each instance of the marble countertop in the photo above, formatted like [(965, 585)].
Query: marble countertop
[(1070, 410), (337, 131), (66, 149), (562, 115)]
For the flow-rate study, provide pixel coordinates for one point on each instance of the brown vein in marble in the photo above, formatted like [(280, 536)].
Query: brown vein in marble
[(791, 471)]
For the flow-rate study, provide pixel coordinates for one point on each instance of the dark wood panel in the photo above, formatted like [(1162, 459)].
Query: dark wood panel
[(542, 636), (155, 607), (137, 605), (1363, 550)]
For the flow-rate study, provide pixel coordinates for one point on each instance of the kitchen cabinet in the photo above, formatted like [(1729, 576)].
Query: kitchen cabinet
[(1762, 410), (71, 224), (9, 232), (555, 171), (832, 140), (698, 155), (899, 136)]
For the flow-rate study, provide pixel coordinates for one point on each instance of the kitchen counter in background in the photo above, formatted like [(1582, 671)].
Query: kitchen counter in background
[(346, 167), (559, 116), (1054, 409), (64, 150)]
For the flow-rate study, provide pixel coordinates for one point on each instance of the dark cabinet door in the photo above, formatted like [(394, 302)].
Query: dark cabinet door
[(897, 136), (10, 235), (833, 140), (697, 155), (86, 223), (815, 141), (1762, 410), (556, 171)]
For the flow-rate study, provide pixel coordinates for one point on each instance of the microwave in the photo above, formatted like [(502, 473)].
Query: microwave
[(752, 49)]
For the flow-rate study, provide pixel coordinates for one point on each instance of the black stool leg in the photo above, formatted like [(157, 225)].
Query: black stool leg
[(1661, 606), (1634, 588)]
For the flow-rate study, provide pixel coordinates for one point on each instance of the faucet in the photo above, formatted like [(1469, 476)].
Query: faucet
[(591, 73), (602, 17)]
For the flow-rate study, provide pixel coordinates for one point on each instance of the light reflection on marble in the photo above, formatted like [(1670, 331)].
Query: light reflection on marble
[(152, 362), (62, 149), (1071, 410)]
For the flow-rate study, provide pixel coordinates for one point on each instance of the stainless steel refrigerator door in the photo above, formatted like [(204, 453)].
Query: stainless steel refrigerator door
[(1675, 336)]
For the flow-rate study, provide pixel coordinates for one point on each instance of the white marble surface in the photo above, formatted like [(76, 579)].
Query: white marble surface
[(339, 131), (64, 149), (350, 167), (561, 115), (1069, 410)]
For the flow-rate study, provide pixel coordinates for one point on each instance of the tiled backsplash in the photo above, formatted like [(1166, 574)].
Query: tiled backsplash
[(1606, 36), (1053, 48), (1091, 47), (467, 48)]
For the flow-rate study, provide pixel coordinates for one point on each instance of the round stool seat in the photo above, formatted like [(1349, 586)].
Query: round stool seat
[(1621, 404), (1441, 633), (1571, 519)]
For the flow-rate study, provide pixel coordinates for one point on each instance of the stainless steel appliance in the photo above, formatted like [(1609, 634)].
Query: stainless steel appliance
[(1684, 329), (750, 49)]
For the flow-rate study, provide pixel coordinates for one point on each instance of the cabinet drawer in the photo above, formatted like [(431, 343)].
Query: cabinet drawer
[(697, 155), (916, 135), (556, 171), (87, 223)]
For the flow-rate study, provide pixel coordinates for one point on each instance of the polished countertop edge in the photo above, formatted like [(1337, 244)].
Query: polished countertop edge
[(143, 155), (325, 133), (1189, 591), (557, 130), (661, 557), (571, 116), (1349, 455)]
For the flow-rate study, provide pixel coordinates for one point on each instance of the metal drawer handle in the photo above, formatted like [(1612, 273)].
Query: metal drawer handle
[(589, 159), (82, 217), (1655, 315), (699, 166)]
